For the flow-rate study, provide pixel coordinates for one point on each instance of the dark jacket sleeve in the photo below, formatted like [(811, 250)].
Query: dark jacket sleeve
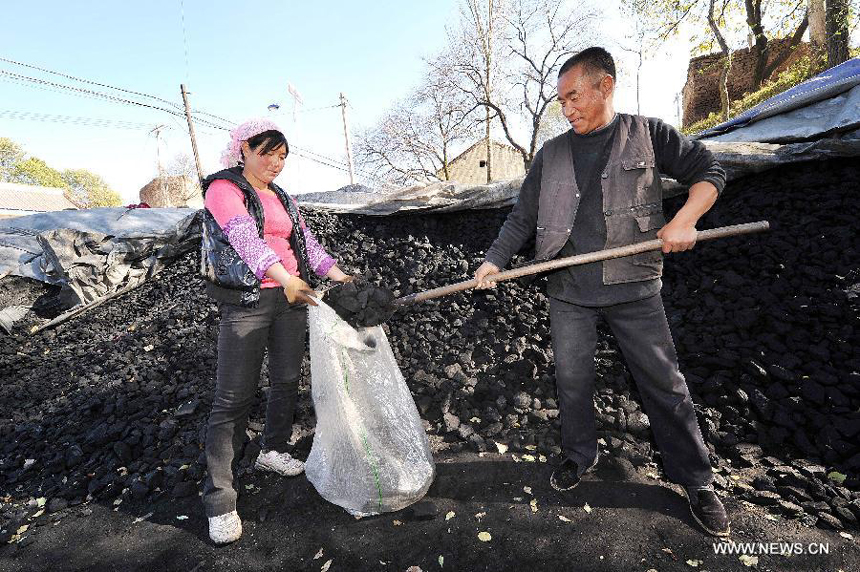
[(683, 159), (521, 224)]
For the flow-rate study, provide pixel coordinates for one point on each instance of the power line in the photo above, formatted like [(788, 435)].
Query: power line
[(329, 162), (47, 88), (99, 95), (337, 162), (280, 112), (318, 108), (306, 153), (198, 112), (319, 155), (91, 82), (324, 163), (73, 120), (103, 95), (81, 92), (85, 91)]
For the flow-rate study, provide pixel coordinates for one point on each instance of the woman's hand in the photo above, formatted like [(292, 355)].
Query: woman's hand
[(298, 291), (338, 275)]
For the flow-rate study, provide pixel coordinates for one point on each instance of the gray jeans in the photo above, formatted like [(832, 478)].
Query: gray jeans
[(646, 342), (244, 335)]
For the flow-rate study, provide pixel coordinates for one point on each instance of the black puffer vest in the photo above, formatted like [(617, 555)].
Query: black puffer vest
[(228, 278)]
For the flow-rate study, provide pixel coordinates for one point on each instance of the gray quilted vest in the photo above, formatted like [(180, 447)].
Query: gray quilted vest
[(632, 201)]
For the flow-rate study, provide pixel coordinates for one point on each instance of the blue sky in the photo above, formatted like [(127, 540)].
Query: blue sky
[(240, 58)]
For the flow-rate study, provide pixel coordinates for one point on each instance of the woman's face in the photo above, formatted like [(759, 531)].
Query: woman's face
[(266, 167)]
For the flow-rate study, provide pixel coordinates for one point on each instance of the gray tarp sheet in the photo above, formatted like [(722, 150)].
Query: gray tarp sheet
[(838, 114), (745, 158), (96, 252), (824, 108), (437, 197)]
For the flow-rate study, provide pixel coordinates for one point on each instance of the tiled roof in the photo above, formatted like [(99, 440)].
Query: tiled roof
[(30, 198)]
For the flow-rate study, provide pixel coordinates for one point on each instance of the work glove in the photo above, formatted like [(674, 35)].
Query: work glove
[(297, 291)]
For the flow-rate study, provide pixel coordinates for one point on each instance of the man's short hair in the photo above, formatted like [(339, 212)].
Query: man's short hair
[(594, 60)]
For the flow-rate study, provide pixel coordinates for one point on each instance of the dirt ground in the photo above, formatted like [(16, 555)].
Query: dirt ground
[(617, 519)]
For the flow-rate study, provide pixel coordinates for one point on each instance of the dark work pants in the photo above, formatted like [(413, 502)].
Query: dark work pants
[(244, 335), (646, 342)]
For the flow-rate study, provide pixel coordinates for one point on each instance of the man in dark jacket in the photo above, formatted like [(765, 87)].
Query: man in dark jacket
[(598, 186)]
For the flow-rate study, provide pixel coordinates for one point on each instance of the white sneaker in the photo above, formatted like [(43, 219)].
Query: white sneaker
[(281, 463), (225, 528)]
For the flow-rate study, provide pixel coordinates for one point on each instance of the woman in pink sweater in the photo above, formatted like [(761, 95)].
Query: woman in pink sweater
[(242, 199)]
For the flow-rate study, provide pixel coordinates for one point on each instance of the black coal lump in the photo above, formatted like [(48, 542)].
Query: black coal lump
[(361, 303)]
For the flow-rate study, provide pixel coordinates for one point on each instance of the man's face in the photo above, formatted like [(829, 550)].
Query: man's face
[(586, 98)]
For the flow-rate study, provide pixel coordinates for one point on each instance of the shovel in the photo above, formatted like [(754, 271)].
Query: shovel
[(656, 244)]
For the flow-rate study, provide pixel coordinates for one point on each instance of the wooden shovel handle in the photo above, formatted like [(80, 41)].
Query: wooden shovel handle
[(656, 244)]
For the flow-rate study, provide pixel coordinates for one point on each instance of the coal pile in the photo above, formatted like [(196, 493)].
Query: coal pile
[(360, 303), (114, 403)]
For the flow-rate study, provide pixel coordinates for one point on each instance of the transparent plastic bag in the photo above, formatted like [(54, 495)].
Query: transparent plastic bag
[(370, 453)]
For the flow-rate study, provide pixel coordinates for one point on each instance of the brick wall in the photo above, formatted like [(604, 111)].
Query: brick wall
[(701, 94)]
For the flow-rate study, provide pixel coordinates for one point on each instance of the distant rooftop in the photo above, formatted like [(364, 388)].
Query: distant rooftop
[(21, 200)]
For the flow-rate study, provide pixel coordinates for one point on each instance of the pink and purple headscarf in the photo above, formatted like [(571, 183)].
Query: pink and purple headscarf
[(232, 155)]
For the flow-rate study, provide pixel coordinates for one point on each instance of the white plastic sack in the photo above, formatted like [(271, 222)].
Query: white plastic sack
[(370, 453)]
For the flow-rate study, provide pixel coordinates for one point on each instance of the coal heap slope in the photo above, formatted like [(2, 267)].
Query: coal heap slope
[(115, 402)]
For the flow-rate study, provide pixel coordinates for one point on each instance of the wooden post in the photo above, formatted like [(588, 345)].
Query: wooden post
[(610, 253), (346, 137), (191, 131)]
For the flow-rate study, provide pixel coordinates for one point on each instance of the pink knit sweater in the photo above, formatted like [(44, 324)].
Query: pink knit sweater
[(225, 201)]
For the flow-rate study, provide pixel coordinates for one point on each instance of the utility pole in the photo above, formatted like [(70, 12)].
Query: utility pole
[(297, 99), (191, 131), (346, 136), (161, 181)]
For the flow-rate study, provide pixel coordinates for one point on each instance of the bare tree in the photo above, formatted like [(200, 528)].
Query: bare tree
[(638, 48), (522, 42), (181, 164), (414, 140), (542, 34), (552, 124), (475, 62)]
